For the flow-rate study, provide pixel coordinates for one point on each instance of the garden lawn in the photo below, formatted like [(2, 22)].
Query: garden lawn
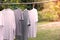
[(47, 34)]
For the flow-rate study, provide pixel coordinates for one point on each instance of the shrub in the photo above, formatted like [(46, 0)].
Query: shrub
[(48, 15)]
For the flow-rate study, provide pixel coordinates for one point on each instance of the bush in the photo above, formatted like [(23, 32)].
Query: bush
[(48, 15)]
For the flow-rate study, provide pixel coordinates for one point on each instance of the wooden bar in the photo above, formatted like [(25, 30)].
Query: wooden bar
[(27, 3)]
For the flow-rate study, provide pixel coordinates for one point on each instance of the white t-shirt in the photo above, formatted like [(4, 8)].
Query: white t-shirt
[(33, 16)]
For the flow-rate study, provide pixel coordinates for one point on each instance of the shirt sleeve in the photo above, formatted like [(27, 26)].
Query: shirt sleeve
[(36, 15), (28, 20)]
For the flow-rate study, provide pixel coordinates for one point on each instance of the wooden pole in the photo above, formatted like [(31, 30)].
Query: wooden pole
[(27, 3)]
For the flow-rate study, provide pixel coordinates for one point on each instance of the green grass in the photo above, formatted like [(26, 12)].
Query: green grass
[(47, 34), (43, 22)]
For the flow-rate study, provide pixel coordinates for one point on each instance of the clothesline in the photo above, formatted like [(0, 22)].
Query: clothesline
[(29, 3)]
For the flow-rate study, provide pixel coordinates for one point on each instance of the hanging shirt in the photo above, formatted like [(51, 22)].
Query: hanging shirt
[(18, 18), (25, 26), (1, 25), (33, 16), (6, 28), (9, 23)]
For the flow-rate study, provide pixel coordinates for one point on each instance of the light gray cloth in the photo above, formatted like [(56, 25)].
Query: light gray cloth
[(18, 19), (25, 26)]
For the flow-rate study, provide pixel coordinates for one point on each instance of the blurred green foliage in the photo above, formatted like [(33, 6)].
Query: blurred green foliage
[(48, 15), (51, 12), (38, 6)]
